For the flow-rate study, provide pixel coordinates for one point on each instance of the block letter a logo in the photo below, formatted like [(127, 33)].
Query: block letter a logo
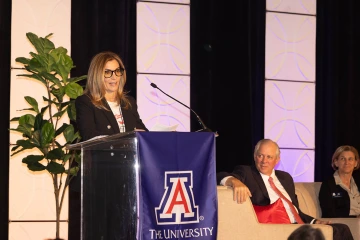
[(177, 204)]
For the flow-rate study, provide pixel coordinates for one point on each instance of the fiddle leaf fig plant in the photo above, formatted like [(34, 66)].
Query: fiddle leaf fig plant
[(41, 128)]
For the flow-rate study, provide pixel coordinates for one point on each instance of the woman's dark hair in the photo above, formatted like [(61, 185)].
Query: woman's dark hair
[(306, 232)]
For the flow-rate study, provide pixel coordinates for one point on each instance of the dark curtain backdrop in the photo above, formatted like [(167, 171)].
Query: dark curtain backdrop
[(227, 72), (104, 25), (337, 81), (227, 75)]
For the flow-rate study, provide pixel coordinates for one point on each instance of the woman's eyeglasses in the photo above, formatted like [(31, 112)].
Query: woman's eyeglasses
[(118, 72)]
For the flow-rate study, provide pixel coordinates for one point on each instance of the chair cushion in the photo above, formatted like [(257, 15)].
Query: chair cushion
[(273, 213)]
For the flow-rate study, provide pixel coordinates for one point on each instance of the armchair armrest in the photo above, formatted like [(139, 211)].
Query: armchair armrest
[(353, 223), (239, 221)]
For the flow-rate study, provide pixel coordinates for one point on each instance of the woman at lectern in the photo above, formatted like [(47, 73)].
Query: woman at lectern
[(105, 108)]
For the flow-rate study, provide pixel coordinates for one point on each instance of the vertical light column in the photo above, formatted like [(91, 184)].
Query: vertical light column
[(290, 84), (163, 58), (31, 195)]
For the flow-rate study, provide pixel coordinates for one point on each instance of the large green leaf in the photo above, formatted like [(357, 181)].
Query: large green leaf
[(39, 122), (71, 111), (33, 103), (25, 144), (55, 168), (36, 167), (78, 159), (27, 118), (25, 129), (49, 100), (73, 90), (61, 129), (22, 60), (77, 79), (77, 136), (55, 154), (37, 65), (30, 159), (69, 134), (52, 78), (14, 148), (63, 105), (15, 119), (58, 93), (59, 114), (67, 157), (36, 138), (43, 109), (45, 60), (73, 171), (63, 63), (47, 133), (58, 145), (42, 45)]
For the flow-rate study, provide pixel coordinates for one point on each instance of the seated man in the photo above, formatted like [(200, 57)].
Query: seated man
[(265, 185)]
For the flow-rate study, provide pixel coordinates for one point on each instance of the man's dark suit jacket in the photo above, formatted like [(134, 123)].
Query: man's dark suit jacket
[(251, 177), (334, 200), (93, 121)]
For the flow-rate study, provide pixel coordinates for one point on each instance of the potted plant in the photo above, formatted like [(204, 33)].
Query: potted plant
[(40, 128)]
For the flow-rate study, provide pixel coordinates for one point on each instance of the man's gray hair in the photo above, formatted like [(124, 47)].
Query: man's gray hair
[(266, 140)]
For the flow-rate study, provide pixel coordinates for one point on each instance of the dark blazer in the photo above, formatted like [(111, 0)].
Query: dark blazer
[(251, 177), (93, 121), (334, 200)]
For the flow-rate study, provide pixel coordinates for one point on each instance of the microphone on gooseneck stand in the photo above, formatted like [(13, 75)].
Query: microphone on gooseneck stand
[(205, 129)]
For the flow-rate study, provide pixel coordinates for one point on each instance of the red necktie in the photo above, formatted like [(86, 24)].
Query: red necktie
[(293, 210)]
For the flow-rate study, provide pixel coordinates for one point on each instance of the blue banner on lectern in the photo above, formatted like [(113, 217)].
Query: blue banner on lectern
[(177, 193)]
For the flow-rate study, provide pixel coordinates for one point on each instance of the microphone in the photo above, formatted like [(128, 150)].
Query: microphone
[(205, 129)]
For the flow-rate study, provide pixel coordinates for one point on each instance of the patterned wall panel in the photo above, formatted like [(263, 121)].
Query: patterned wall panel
[(163, 58), (40, 17), (156, 108), (163, 40), (290, 113), (299, 163), (31, 195), (290, 47), (292, 6), (35, 231), (289, 118)]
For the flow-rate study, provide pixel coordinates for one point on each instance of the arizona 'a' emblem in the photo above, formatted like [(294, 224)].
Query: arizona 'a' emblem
[(177, 204)]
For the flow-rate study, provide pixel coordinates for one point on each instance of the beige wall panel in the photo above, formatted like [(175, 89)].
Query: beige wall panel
[(36, 231), (292, 6), (163, 38), (290, 47), (290, 71), (31, 194), (163, 48)]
